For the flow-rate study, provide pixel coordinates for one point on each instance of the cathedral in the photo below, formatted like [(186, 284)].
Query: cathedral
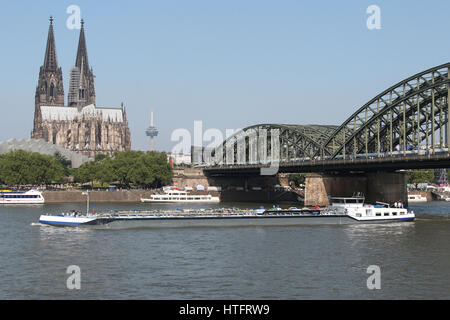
[(80, 125)]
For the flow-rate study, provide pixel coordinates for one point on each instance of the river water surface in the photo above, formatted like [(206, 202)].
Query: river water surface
[(295, 262)]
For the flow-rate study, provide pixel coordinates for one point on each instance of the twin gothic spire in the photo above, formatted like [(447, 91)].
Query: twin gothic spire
[(82, 58), (50, 60), (81, 88), (52, 123)]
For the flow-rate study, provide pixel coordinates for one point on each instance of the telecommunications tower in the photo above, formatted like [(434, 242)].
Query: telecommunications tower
[(151, 131)]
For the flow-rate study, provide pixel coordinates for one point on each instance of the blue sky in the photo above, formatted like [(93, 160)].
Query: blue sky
[(229, 63)]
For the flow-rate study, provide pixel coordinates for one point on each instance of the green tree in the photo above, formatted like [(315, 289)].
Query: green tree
[(128, 168), (161, 169), (297, 179), (64, 162), (86, 173), (100, 157), (23, 167), (105, 172), (420, 176), (124, 165)]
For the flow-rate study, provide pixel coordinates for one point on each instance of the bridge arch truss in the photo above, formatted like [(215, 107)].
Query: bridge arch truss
[(264, 143), (409, 117)]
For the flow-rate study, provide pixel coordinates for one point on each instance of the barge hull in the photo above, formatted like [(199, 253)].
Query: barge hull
[(113, 223)]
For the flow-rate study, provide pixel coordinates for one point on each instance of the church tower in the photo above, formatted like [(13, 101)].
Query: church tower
[(81, 85), (80, 125), (49, 91)]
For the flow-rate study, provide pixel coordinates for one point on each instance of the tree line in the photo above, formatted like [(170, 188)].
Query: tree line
[(127, 168)]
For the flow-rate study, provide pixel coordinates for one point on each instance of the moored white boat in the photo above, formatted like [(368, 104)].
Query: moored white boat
[(414, 198), (177, 196), (21, 197)]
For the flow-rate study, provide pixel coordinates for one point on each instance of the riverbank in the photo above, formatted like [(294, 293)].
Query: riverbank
[(121, 196), (130, 196), (95, 196)]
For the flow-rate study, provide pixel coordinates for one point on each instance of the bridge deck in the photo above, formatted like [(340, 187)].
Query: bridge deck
[(342, 165)]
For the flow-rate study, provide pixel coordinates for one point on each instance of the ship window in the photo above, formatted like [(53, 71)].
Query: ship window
[(378, 214), (386, 213), (394, 213)]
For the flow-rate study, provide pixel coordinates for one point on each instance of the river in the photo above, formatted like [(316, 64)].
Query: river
[(295, 262)]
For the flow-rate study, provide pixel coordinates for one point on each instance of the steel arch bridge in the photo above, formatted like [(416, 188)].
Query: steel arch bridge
[(411, 117)]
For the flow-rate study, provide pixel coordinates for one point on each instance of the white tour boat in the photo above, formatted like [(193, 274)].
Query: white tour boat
[(414, 198), (177, 196), (21, 197), (341, 211)]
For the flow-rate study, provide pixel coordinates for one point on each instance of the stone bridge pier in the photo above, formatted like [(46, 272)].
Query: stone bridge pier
[(387, 187), (383, 186)]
